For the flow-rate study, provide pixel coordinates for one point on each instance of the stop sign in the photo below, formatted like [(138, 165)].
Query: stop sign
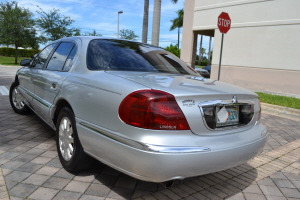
[(224, 22)]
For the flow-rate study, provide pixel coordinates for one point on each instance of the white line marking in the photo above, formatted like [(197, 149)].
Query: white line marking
[(4, 90)]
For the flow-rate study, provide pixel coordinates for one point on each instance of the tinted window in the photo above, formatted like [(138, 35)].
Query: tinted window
[(114, 54), (70, 59), (41, 58), (60, 55)]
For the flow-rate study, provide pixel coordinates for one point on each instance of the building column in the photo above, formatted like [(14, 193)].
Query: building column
[(189, 38)]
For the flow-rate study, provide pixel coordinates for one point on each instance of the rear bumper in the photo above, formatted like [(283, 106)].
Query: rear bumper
[(155, 165)]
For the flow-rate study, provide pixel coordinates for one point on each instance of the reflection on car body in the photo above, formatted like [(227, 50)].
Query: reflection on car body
[(138, 109), (203, 72)]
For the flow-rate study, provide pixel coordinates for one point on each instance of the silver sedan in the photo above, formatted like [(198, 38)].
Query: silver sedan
[(138, 109)]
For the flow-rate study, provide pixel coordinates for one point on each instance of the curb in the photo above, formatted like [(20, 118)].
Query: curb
[(10, 66), (280, 109)]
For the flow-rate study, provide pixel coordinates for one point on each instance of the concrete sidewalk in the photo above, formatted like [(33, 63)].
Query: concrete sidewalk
[(30, 168)]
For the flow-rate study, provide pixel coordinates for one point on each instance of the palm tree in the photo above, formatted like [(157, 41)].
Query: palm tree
[(177, 23), (203, 51), (145, 21), (156, 21)]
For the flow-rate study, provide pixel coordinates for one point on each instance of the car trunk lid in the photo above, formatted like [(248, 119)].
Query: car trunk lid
[(191, 92)]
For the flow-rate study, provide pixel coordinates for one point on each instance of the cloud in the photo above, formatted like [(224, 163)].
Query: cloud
[(64, 10)]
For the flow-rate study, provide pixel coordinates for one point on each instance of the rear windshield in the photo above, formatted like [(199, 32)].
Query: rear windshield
[(120, 55)]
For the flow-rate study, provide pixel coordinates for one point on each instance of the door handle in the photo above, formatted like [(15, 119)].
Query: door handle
[(53, 86)]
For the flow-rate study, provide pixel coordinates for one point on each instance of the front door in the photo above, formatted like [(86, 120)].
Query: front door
[(48, 80)]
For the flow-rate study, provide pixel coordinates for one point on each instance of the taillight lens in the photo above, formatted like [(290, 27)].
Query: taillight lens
[(259, 111), (246, 113), (152, 109), (210, 116)]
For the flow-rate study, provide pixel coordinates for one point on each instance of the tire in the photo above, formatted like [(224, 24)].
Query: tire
[(17, 100), (70, 152)]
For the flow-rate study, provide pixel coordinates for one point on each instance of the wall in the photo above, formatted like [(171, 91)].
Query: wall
[(261, 50)]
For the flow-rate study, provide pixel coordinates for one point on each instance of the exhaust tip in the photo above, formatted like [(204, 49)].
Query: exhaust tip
[(167, 184)]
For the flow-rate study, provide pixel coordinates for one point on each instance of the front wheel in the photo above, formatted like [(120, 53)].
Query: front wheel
[(17, 100), (70, 152)]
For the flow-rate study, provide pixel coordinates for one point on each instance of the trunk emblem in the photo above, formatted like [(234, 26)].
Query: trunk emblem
[(234, 99), (188, 102)]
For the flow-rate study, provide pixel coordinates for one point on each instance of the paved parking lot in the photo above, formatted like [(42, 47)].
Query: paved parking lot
[(30, 168)]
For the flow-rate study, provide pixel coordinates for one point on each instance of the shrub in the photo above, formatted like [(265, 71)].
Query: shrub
[(173, 49), (10, 52), (204, 63)]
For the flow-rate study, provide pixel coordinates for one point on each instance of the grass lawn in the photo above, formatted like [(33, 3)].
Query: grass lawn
[(290, 102), (10, 60)]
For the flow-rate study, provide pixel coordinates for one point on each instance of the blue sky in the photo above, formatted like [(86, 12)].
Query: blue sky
[(102, 16)]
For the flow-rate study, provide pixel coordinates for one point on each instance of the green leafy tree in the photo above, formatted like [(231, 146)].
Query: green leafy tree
[(16, 26), (94, 33), (128, 34), (32, 41), (173, 49), (203, 51), (54, 25), (77, 33), (177, 23)]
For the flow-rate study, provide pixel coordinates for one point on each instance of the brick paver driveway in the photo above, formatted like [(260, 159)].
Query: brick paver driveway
[(31, 169)]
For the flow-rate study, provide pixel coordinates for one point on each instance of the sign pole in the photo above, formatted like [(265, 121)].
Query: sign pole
[(224, 24), (219, 71)]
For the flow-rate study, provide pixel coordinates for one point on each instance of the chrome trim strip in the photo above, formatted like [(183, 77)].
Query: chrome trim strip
[(44, 103), (112, 136), (172, 149), (223, 103), (144, 146)]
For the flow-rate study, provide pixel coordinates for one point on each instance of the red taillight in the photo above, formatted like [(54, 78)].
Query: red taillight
[(152, 109), (259, 111)]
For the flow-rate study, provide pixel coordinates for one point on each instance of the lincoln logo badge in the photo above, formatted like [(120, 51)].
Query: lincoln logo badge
[(234, 99)]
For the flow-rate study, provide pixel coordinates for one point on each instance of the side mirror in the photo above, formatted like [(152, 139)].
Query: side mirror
[(25, 62)]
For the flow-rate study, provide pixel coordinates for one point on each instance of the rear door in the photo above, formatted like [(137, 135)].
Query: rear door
[(48, 80)]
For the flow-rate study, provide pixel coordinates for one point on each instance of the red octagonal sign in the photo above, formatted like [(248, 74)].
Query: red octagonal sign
[(224, 22)]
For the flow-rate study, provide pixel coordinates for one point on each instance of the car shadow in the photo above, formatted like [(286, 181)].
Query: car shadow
[(111, 183)]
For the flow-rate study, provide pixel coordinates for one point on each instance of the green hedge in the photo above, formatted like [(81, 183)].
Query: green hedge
[(4, 51), (204, 63)]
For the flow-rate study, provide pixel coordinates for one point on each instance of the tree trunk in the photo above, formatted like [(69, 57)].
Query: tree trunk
[(156, 23), (209, 49), (16, 54), (145, 21), (200, 51)]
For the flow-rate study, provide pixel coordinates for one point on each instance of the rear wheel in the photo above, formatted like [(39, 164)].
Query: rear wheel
[(71, 154), (17, 100)]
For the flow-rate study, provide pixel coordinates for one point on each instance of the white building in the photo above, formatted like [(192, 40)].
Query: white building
[(261, 51)]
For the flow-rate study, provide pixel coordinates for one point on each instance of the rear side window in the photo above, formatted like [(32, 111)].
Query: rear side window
[(120, 55), (41, 58), (70, 59), (60, 56)]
